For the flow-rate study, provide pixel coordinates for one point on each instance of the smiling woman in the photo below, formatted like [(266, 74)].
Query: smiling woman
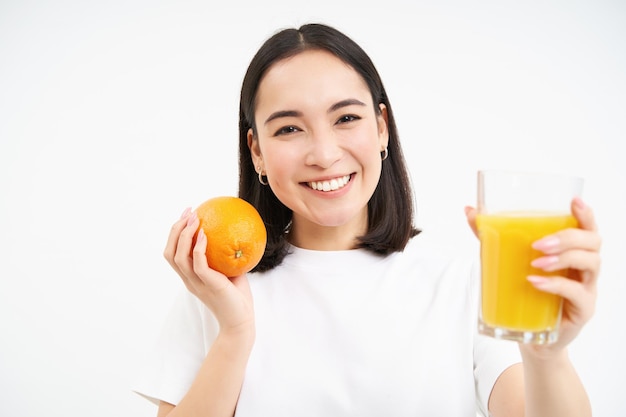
[(350, 311)]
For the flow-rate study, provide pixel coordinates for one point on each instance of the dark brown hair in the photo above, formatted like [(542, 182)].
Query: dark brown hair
[(390, 209)]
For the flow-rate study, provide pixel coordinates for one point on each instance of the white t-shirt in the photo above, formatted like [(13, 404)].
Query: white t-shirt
[(348, 333)]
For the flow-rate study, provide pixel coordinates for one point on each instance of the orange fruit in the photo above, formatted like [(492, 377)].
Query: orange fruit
[(236, 235)]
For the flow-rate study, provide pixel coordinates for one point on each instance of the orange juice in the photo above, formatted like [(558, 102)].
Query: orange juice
[(509, 301)]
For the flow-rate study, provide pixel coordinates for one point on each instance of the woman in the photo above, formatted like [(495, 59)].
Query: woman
[(354, 312)]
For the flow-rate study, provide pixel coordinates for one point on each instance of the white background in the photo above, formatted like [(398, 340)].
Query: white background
[(116, 115)]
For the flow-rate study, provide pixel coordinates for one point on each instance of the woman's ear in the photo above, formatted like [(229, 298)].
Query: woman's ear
[(383, 121), (255, 150)]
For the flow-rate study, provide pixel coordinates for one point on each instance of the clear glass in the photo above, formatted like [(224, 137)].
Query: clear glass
[(514, 210)]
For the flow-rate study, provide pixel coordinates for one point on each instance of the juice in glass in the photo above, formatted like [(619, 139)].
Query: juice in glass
[(510, 305)]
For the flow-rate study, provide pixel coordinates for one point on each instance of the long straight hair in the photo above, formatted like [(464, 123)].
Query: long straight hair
[(390, 209)]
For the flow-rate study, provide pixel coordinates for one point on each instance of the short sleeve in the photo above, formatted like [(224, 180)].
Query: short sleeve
[(491, 356), (171, 366)]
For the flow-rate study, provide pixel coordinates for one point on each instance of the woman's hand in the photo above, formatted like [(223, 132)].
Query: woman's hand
[(230, 300), (579, 251), (576, 249)]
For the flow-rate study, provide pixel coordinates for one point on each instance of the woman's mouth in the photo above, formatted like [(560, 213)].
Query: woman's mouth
[(330, 185)]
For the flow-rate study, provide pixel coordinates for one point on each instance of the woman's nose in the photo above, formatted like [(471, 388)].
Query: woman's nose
[(323, 150)]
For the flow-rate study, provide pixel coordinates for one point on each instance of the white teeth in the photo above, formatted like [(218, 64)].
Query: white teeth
[(332, 185)]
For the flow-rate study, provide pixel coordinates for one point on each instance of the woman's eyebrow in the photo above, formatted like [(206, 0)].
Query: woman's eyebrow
[(345, 103), (283, 113)]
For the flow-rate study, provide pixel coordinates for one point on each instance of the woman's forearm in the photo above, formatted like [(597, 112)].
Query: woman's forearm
[(553, 388), (216, 388)]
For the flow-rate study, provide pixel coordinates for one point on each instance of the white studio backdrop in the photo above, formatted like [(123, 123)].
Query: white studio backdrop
[(115, 116)]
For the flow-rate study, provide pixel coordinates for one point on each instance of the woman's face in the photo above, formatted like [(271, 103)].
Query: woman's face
[(319, 141)]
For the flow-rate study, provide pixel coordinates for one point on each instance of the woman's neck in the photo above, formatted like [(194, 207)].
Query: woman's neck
[(308, 235)]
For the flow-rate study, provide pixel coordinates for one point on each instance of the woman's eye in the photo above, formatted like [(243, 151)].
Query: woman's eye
[(348, 118), (286, 130)]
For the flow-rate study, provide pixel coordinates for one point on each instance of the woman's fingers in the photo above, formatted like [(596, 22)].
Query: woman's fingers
[(569, 239), (201, 267), (185, 257), (565, 287), (172, 240), (230, 301), (580, 298), (182, 261), (185, 241), (582, 260), (584, 237), (576, 248)]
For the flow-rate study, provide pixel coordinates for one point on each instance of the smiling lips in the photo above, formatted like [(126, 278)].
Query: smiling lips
[(329, 185)]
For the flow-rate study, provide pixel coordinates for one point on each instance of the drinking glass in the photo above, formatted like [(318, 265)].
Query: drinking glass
[(514, 210)]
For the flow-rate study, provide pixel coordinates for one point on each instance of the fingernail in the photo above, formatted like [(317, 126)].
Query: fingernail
[(579, 203), (544, 262), (192, 217), (537, 280), (185, 213), (201, 236), (546, 244)]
